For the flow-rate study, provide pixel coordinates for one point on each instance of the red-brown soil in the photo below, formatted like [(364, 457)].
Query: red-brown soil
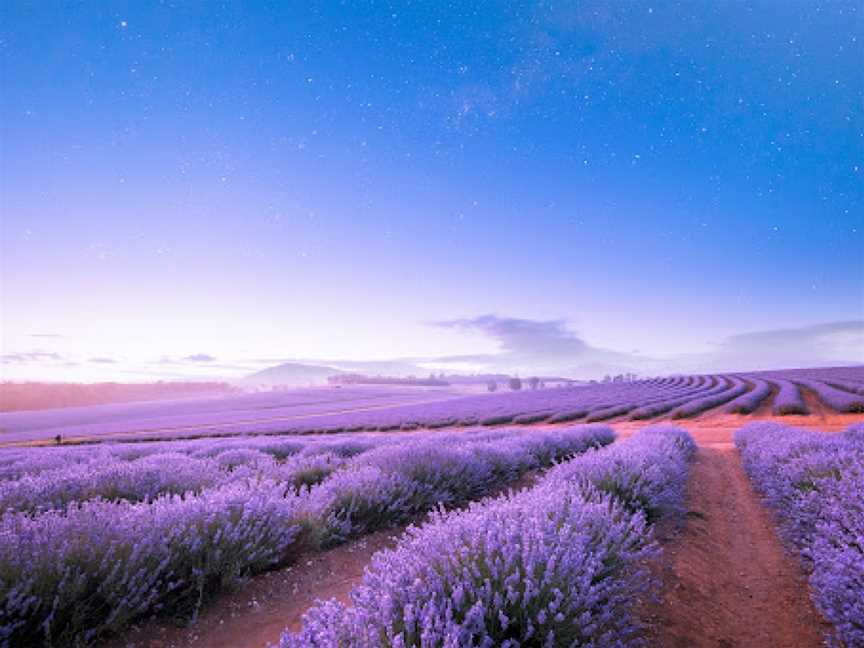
[(727, 581), (716, 428), (256, 614)]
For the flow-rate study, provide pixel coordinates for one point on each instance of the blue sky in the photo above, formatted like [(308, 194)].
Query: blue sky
[(257, 181)]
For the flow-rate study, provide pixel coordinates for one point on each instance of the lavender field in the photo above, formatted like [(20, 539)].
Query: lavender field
[(323, 410), (97, 536)]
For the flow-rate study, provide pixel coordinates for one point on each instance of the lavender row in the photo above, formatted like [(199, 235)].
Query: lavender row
[(847, 385), (788, 399), (112, 473), (748, 402), (393, 484), (560, 564), (735, 388), (701, 385), (662, 406), (815, 484), (485, 409), (839, 400), (69, 576)]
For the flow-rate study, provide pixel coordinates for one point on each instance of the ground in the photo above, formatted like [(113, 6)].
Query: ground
[(728, 581)]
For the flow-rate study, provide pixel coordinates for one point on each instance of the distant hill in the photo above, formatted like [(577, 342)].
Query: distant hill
[(292, 373)]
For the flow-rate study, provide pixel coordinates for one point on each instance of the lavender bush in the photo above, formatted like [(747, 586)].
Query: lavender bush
[(788, 399), (73, 574), (815, 484), (749, 401), (736, 388), (837, 399), (394, 483), (67, 577), (558, 564), (140, 480)]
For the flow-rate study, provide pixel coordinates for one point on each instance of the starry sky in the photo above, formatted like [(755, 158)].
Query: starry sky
[(206, 188)]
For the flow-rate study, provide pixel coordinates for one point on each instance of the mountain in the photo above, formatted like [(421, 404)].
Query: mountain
[(292, 373)]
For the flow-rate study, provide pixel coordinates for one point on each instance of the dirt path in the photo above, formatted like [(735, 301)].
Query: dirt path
[(727, 581), (257, 614)]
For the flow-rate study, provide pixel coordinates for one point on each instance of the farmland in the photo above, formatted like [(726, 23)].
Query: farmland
[(327, 411), (536, 517)]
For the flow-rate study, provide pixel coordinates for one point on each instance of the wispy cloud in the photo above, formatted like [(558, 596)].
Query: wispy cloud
[(44, 335), (549, 346), (199, 357), (820, 344), (103, 360), (30, 357), (544, 346)]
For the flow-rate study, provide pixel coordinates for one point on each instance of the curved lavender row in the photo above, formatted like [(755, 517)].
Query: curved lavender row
[(855, 388), (61, 570), (736, 388), (836, 399), (695, 386), (815, 484), (788, 399), (560, 564), (683, 394), (662, 406), (749, 402)]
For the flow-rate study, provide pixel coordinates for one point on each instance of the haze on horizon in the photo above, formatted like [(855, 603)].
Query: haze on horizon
[(199, 190)]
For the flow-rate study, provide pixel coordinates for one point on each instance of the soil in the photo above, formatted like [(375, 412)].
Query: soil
[(727, 580), (256, 614)]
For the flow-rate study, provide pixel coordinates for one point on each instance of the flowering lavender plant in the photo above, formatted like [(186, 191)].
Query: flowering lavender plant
[(815, 484), (558, 564)]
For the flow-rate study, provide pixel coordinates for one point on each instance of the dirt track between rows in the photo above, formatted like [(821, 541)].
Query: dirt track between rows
[(727, 580)]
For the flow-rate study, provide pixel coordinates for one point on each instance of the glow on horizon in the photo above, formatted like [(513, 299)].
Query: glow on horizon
[(324, 183)]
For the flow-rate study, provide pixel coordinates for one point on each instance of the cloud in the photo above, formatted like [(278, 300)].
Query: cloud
[(194, 358), (199, 357), (548, 346), (540, 346), (45, 335), (522, 337), (825, 344), (103, 360), (28, 357)]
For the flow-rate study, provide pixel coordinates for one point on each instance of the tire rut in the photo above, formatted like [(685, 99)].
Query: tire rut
[(727, 580)]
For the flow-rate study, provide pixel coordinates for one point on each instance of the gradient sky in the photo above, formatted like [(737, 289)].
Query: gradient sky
[(202, 188)]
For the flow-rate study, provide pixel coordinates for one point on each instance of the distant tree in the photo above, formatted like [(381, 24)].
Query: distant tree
[(533, 382), (492, 386), (542, 385), (515, 383), (607, 378)]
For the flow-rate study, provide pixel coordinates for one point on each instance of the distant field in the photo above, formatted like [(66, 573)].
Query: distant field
[(795, 393), (207, 415), (25, 396)]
